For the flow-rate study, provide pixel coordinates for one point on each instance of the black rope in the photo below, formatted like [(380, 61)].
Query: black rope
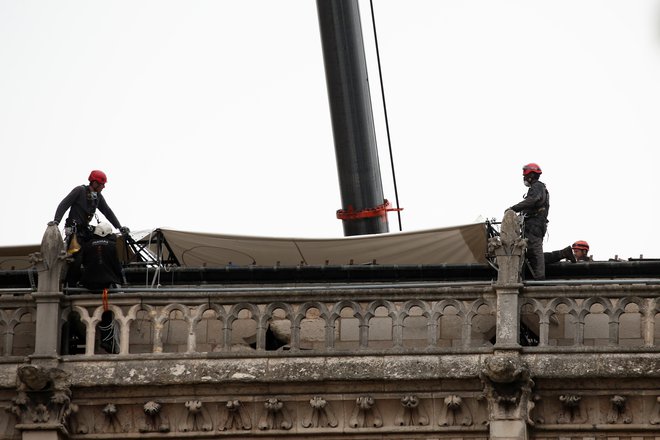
[(387, 124)]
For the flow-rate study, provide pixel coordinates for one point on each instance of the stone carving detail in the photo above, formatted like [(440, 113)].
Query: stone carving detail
[(111, 419), (509, 249), (197, 419), (321, 414), (235, 417), (43, 396), (454, 412), (51, 261), (619, 411), (365, 414), (412, 413), (570, 409), (154, 420), (75, 422), (507, 388), (7, 420), (276, 416), (537, 410), (655, 417)]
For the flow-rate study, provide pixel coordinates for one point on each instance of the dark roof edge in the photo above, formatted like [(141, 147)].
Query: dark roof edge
[(357, 273)]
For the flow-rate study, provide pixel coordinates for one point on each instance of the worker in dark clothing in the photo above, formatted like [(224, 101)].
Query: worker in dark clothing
[(574, 253), (581, 251), (82, 203), (534, 208), (557, 256)]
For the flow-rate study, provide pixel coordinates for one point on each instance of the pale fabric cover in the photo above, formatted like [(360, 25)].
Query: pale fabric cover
[(464, 244), (17, 257)]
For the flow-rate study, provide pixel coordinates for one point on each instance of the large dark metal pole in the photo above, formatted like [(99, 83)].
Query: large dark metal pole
[(352, 118)]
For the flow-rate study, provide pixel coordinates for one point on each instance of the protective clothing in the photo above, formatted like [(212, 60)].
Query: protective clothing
[(98, 176), (100, 263), (83, 206), (535, 207), (556, 256)]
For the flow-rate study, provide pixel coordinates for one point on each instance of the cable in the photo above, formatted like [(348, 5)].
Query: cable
[(387, 124)]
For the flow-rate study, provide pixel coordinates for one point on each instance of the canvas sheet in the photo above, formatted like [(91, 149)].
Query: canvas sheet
[(464, 244), (17, 257)]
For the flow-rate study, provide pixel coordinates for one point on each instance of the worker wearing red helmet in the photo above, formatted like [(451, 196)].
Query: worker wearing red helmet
[(576, 252), (535, 207), (581, 250), (82, 203)]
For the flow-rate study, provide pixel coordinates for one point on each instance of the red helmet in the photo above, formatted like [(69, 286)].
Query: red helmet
[(531, 168), (581, 244), (98, 176)]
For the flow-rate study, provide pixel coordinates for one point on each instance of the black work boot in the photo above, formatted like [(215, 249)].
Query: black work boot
[(568, 254)]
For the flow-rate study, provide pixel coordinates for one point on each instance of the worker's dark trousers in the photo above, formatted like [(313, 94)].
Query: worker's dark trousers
[(534, 232), (553, 257)]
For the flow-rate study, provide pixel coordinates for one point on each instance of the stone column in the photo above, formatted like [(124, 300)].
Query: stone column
[(50, 264), (509, 249), (42, 405), (507, 319), (506, 379)]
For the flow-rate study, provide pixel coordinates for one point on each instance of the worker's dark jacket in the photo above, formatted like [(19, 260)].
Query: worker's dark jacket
[(100, 264), (83, 206), (536, 203)]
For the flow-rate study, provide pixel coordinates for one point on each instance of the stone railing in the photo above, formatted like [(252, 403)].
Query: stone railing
[(396, 319), (423, 318), (588, 317), (18, 317)]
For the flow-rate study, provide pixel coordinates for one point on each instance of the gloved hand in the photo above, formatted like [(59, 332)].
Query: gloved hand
[(124, 230), (53, 223)]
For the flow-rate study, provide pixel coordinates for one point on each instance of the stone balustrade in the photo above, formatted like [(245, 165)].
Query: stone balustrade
[(404, 318), (583, 317)]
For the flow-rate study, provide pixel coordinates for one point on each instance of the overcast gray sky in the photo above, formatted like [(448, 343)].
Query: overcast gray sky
[(213, 115)]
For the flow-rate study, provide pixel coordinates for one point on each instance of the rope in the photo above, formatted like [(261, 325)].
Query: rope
[(109, 333), (387, 124), (106, 304)]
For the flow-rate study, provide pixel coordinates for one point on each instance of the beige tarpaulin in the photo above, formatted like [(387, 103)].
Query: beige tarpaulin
[(17, 257), (455, 245)]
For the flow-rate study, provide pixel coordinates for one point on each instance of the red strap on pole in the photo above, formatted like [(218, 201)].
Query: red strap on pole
[(378, 211)]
